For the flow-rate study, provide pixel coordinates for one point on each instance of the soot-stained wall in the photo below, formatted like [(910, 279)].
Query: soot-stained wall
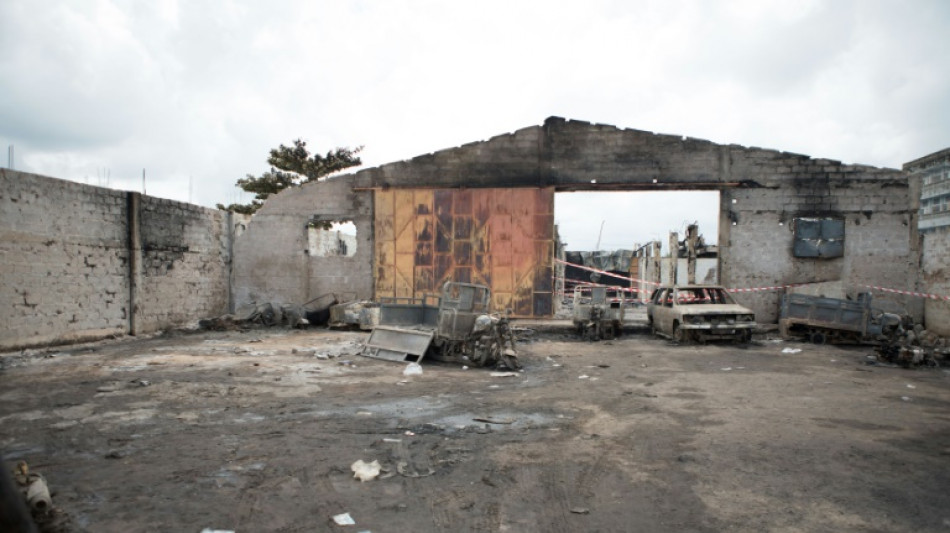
[(762, 193), (272, 259)]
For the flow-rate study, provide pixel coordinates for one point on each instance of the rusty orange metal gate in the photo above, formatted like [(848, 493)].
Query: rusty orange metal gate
[(502, 238)]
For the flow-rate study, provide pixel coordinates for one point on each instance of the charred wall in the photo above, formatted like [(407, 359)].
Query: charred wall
[(273, 263), (758, 226), (762, 193), (185, 264)]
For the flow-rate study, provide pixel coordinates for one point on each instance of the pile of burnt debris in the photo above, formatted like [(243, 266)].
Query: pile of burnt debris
[(331, 310), (259, 315), (915, 347)]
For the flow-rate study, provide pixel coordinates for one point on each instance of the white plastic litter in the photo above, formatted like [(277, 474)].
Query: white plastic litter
[(412, 369), (503, 374), (791, 350), (209, 530), (364, 471), (344, 520)]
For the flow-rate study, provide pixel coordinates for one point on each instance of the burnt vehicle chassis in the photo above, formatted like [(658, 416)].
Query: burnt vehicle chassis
[(598, 315), (457, 327), (837, 321)]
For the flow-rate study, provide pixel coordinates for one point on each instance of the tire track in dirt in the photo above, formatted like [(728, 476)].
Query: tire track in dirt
[(553, 482)]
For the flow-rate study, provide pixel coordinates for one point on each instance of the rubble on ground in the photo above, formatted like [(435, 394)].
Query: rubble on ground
[(916, 347), (361, 313)]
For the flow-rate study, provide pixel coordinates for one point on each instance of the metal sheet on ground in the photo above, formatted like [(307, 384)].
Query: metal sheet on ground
[(397, 344)]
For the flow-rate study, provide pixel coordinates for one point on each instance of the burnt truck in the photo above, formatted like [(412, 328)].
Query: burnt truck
[(598, 312), (834, 320), (455, 326)]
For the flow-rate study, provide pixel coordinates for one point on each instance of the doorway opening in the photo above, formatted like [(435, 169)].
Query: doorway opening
[(624, 239)]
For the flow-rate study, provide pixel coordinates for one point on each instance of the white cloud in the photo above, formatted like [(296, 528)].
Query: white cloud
[(206, 89)]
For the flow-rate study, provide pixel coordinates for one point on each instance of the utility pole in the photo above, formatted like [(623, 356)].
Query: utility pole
[(599, 235), (10, 157), (143, 182)]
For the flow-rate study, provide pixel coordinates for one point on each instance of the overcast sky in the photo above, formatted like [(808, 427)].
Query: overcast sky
[(198, 92)]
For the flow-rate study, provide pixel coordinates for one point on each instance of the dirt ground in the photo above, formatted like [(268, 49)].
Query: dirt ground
[(256, 431)]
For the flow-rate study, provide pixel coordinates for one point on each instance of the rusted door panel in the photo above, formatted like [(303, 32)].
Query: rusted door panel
[(462, 204), (403, 221), (502, 238), (543, 304), (501, 253), (425, 228), (424, 253), (462, 253), (543, 227), (501, 301), (405, 266), (463, 227), (463, 274), (502, 278), (522, 302), (482, 203), (385, 246), (422, 281), (425, 201)]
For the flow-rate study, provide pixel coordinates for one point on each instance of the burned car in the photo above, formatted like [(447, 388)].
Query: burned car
[(698, 313)]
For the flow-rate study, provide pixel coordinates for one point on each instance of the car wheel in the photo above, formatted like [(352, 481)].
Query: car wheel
[(680, 335), (817, 337)]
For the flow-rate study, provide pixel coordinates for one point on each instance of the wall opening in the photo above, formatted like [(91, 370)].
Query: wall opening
[(629, 234), (331, 238)]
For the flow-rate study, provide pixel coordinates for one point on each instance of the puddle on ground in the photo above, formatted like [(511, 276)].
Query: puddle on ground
[(500, 420)]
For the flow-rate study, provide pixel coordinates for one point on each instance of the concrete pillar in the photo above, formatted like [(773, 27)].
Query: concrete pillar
[(692, 233), (134, 202), (674, 255)]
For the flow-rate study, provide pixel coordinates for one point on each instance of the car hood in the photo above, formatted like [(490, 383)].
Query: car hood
[(715, 309)]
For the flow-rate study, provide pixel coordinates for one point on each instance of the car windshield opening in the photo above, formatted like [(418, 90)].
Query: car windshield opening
[(702, 295)]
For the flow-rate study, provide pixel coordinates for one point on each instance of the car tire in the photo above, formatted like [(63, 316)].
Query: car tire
[(680, 335)]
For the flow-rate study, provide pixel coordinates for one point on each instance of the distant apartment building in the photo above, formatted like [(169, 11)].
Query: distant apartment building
[(934, 173)]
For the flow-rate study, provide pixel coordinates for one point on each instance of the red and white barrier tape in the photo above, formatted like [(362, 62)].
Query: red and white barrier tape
[(604, 272), (910, 293), (749, 289)]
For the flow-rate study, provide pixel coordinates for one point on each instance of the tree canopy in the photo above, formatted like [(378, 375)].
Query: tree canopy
[(292, 166)]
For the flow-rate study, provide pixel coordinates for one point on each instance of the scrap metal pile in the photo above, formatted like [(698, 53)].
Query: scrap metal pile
[(916, 347), (459, 328)]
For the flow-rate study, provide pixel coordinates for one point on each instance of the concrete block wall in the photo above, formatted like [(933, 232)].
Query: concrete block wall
[(63, 261), (757, 227), (761, 193), (185, 264), (68, 263), (935, 279), (272, 263)]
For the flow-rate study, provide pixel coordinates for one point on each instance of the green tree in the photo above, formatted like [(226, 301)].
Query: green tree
[(292, 166)]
